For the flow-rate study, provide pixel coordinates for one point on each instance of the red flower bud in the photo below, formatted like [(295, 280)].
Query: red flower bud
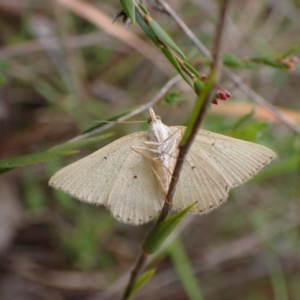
[(221, 95), (214, 101)]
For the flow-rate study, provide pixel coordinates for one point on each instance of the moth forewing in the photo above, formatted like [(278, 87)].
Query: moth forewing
[(117, 177), (236, 159), (215, 164)]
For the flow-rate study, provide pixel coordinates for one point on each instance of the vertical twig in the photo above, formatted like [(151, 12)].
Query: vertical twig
[(134, 273), (183, 149)]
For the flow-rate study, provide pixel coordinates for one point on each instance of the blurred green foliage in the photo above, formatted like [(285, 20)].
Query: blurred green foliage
[(48, 103)]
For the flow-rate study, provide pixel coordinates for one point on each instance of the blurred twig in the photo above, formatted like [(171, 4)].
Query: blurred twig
[(76, 41), (183, 149), (237, 80), (136, 111)]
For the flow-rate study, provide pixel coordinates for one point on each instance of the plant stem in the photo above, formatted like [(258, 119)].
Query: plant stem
[(183, 149), (134, 273)]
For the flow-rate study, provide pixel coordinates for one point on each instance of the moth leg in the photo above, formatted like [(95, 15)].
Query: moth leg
[(162, 185), (146, 152), (176, 133), (158, 162), (160, 152), (152, 143), (159, 180), (140, 150)]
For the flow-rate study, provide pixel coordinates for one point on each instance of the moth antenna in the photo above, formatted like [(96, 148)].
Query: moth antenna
[(120, 122), (136, 149)]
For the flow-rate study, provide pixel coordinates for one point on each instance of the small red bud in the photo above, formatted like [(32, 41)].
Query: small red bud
[(290, 62), (227, 94), (221, 95), (295, 59)]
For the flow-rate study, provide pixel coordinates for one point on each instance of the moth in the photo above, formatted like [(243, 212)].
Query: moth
[(131, 176)]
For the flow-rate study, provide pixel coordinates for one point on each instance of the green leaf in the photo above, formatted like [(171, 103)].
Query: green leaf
[(272, 62), (245, 128), (30, 159), (140, 20), (78, 144), (184, 270), (192, 69), (230, 60), (175, 64), (251, 66), (199, 86), (129, 8), (163, 36), (251, 131), (143, 279), (290, 51), (144, 9), (160, 232), (243, 120), (174, 99)]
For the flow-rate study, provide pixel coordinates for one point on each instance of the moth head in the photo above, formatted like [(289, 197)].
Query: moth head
[(153, 117)]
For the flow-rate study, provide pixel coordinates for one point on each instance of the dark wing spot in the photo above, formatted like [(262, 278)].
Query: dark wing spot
[(129, 220), (105, 157), (211, 206), (193, 167), (134, 176), (213, 144)]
